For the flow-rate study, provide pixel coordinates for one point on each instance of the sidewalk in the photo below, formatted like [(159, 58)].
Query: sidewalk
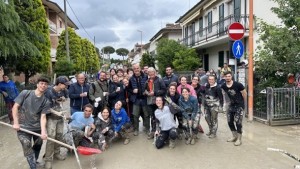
[(206, 153)]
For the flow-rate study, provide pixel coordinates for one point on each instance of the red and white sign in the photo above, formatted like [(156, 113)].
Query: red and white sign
[(236, 31)]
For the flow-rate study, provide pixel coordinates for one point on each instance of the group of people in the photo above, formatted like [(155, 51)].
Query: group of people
[(113, 106)]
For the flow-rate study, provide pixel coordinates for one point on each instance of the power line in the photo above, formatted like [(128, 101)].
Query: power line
[(79, 20)]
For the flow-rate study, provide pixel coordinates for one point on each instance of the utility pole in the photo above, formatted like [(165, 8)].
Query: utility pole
[(250, 61), (141, 37), (66, 31)]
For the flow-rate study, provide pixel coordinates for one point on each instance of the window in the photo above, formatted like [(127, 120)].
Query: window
[(201, 27), (193, 34), (209, 21), (237, 10), (221, 20), (186, 35), (60, 24)]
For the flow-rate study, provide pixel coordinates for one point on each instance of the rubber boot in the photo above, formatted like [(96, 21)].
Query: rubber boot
[(48, 165), (238, 142), (234, 137), (31, 161)]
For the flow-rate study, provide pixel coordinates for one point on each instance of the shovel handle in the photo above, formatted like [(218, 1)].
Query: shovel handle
[(36, 134)]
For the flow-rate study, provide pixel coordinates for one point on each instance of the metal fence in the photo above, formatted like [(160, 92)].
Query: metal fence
[(277, 106)]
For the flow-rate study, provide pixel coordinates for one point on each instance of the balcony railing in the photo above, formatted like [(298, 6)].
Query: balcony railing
[(215, 30), (52, 26)]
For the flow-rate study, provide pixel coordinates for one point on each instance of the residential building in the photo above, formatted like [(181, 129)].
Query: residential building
[(135, 55), (171, 31), (55, 17), (205, 28)]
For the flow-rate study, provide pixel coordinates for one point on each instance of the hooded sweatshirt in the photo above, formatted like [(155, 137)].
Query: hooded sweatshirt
[(119, 119), (101, 124), (165, 118)]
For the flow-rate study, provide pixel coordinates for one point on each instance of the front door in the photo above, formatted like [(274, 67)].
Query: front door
[(206, 62)]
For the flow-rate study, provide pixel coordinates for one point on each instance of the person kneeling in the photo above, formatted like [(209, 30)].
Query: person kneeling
[(103, 130), (81, 120), (121, 122), (166, 125)]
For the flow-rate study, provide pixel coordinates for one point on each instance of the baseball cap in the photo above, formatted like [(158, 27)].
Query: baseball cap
[(63, 80)]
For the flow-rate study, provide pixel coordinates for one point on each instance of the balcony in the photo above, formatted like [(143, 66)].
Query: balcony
[(216, 30), (52, 26)]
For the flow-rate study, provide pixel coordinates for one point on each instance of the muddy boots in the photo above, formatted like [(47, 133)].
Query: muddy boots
[(238, 142), (193, 141), (171, 143), (234, 137)]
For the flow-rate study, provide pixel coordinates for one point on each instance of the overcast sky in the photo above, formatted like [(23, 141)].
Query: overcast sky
[(116, 22)]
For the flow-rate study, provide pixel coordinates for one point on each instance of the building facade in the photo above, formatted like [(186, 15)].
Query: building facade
[(205, 28)]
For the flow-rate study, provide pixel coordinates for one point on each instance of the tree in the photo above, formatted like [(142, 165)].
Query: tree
[(108, 50), (33, 13), (186, 59), (280, 45), (64, 67), (122, 52), (13, 35), (75, 50), (148, 60), (166, 49), (92, 59)]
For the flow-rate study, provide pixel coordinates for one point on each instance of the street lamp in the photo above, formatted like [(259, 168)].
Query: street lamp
[(141, 37)]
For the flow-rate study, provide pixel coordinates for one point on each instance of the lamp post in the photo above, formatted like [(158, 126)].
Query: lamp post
[(141, 37)]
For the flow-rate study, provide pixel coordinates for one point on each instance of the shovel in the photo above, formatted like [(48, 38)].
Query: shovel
[(79, 149)]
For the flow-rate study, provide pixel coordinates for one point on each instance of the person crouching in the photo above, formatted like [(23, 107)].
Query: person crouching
[(103, 130), (121, 122), (166, 125)]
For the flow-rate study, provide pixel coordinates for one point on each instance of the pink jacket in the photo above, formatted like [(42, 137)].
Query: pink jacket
[(192, 91)]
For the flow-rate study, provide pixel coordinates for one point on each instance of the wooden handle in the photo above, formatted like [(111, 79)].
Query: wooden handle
[(36, 134)]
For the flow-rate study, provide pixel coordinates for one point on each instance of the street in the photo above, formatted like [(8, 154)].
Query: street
[(216, 153)]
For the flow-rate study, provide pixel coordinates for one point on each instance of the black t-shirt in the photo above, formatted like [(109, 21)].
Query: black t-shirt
[(234, 94)]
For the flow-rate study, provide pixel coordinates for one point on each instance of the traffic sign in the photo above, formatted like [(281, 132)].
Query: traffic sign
[(236, 31), (238, 49)]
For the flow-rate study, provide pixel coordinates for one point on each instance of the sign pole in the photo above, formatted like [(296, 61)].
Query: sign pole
[(250, 61), (235, 68)]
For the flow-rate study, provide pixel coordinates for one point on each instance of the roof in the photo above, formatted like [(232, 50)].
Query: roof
[(168, 28), (55, 7), (189, 11)]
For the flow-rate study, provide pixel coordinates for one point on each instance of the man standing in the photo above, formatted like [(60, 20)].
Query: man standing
[(55, 124), (154, 87), (213, 105), (33, 106), (139, 100), (78, 93), (225, 68), (9, 91), (238, 96), (170, 77), (98, 93)]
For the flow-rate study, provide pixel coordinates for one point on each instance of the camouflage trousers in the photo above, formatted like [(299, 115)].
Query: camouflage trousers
[(74, 135), (55, 129), (211, 117), (194, 127), (31, 152), (100, 138), (235, 118)]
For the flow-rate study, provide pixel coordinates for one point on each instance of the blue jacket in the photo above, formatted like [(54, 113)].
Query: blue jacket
[(119, 119), (189, 107), (11, 89), (134, 84), (75, 90)]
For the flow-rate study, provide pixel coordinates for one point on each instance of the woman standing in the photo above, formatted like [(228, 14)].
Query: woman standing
[(184, 84), (191, 116), (116, 91), (165, 124)]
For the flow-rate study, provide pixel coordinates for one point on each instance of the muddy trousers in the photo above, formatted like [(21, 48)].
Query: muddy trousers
[(211, 117), (30, 152), (152, 109), (9, 106), (55, 129), (100, 138), (194, 127), (235, 119), (137, 109), (164, 136)]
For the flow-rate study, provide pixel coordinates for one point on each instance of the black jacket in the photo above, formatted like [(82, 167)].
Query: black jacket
[(75, 90)]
